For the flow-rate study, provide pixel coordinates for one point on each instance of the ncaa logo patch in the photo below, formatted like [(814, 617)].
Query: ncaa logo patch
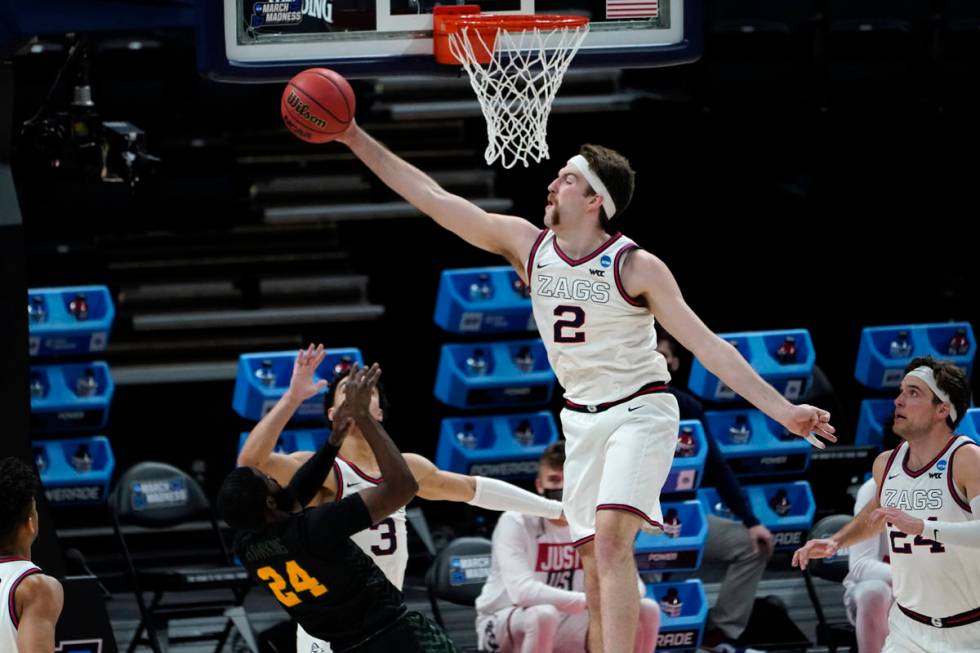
[(941, 465), (605, 261)]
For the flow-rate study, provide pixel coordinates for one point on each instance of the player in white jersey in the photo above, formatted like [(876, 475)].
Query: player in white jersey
[(868, 585), (30, 601), (356, 469), (929, 501), (534, 599), (594, 298)]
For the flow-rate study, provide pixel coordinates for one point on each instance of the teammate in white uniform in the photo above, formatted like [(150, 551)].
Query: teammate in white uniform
[(594, 298), (868, 585), (534, 599), (30, 601), (929, 499), (356, 469)]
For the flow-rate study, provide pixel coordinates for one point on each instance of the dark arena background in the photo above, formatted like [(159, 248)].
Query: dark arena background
[(814, 169)]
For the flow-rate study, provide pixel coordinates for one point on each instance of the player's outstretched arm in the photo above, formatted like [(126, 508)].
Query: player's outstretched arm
[(258, 450), (646, 276), (492, 494), (857, 530), (509, 236)]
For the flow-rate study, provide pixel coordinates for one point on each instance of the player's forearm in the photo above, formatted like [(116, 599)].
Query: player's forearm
[(725, 362), (415, 186), (533, 592), (494, 494), (398, 478), (857, 530), (309, 479), (262, 440)]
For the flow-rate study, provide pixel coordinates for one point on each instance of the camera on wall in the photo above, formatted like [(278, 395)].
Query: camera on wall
[(75, 143)]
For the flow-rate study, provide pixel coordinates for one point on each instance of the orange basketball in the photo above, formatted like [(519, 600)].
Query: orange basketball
[(317, 105)]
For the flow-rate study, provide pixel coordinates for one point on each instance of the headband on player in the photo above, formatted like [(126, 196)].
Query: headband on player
[(925, 373), (583, 166)]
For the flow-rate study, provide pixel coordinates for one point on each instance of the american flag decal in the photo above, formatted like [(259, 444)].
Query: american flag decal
[(631, 9)]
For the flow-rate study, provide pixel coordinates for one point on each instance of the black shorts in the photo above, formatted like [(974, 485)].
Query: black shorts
[(411, 633)]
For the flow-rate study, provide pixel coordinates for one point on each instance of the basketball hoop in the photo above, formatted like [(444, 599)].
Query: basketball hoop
[(516, 64)]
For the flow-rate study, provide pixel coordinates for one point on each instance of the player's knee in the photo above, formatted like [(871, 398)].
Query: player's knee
[(649, 615), (546, 618), (875, 598), (612, 549)]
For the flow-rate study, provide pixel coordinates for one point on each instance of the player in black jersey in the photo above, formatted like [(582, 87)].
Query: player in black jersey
[(306, 557)]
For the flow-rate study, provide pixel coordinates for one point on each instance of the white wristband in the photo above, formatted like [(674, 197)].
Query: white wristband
[(494, 494)]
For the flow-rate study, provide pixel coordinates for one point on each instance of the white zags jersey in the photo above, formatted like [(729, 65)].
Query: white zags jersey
[(601, 343), (386, 542), (12, 572), (929, 577), (527, 545)]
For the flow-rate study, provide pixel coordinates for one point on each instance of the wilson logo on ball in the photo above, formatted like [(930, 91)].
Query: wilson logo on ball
[(303, 110)]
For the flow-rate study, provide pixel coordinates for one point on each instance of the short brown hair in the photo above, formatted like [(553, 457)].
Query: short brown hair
[(616, 173), (950, 379), (553, 455)]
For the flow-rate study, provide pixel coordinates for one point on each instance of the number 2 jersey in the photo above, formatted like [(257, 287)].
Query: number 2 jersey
[(929, 577), (320, 576), (601, 342)]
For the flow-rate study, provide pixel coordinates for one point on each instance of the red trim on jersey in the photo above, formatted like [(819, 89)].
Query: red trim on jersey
[(630, 509), (534, 251), (12, 606), (884, 476), (927, 466), (584, 540), (648, 389), (588, 257), (4, 559), (357, 470), (955, 620), (619, 280), (339, 476), (949, 479)]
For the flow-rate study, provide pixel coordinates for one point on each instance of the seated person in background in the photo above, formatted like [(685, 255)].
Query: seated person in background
[(533, 601), (741, 543)]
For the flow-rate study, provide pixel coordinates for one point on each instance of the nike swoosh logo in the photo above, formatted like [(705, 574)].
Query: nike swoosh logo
[(350, 484), (632, 408), (544, 265), (893, 476)]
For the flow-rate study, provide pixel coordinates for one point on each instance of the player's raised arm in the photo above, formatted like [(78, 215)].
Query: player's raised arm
[(507, 235)]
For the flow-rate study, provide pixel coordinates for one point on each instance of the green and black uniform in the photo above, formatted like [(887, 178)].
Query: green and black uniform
[(324, 580)]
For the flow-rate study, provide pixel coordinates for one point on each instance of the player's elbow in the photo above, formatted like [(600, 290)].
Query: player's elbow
[(247, 460)]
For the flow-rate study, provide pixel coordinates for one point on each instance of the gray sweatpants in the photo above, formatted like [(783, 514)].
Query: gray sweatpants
[(728, 542)]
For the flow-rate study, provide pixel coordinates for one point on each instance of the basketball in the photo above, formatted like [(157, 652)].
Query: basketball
[(317, 105)]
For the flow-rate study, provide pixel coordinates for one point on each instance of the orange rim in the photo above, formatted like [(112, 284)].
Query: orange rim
[(513, 23)]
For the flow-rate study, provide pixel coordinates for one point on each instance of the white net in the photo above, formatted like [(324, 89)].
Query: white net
[(517, 87)]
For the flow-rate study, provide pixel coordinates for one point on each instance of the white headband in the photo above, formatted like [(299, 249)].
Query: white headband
[(925, 373), (583, 166)]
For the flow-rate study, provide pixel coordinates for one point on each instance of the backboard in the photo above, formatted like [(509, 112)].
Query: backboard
[(257, 41)]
